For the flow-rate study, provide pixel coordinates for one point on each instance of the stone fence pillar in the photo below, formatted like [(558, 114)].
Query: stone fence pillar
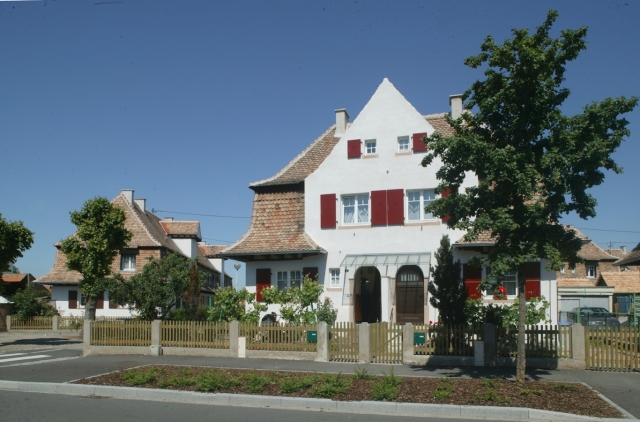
[(578, 346), (364, 350), (323, 342), (234, 330), (55, 323), (8, 322), (407, 343)]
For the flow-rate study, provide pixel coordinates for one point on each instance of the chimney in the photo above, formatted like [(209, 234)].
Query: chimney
[(342, 118), (128, 193), (168, 219), (455, 101), (623, 249), (142, 204)]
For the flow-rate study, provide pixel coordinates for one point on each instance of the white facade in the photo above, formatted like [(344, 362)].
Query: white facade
[(60, 296)]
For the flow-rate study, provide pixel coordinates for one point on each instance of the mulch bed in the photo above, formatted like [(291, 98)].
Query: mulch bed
[(554, 396)]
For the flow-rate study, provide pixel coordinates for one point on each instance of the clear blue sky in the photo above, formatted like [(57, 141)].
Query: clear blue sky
[(187, 102)]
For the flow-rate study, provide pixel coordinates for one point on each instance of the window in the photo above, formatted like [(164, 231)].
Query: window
[(510, 283), (355, 209), (128, 263), (591, 271), (370, 147), (403, 144), (563, 270), (288, 279), (573, 269), (335, 277), (416, 201), (623, 268)]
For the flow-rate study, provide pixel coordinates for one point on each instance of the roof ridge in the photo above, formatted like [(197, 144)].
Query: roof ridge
[(138, 219), (295, 159)]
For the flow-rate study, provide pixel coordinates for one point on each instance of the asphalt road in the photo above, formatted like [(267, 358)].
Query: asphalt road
[(23, 407)]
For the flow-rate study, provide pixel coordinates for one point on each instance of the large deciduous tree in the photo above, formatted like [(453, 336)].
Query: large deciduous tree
[(448, 293), (534, 164), (100, 235), (15, 238), (153, 292)]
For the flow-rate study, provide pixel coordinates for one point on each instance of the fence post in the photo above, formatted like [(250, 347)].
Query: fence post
[(407, 343), (323, 342), (156, 338), (578, 346), (489, 344), (364, 349), (54, 326), (8, 323), (233, 338), (86, 337)]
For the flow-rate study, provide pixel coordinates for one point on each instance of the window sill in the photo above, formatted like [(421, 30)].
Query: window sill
[(355, 226), (400, 154), (334, 288), (369, 156), (422, 223)]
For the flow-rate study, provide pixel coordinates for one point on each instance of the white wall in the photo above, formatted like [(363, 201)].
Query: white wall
[(60, 294), (187, 246)]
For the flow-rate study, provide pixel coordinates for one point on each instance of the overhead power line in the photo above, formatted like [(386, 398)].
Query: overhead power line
[(218, 240), (606, 230), (201, 215)]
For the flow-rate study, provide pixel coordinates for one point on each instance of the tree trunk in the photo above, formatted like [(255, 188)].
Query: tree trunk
[(522, 316), (90, 309)]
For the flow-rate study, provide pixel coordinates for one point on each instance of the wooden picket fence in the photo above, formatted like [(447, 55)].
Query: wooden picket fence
[(32, 323), (447, 340), (612, 348), (385, 342), (344, 342), (197, 334), (121, 333), (541, 341), (278, 337)]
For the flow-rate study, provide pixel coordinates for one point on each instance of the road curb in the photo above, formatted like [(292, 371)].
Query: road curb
[(245, 400)]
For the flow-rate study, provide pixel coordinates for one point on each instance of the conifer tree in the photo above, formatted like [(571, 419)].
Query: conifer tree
[(447, 292)]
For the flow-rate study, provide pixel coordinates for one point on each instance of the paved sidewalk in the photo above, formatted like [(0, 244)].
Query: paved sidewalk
[(35, 339)]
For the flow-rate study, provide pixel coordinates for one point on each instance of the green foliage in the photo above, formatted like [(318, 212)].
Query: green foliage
[(444, 390), (154, 291), (181, 314), (176, 382), (490, 396), (486, 382), (506, 315), (15, 238), (363, 374), (529, 392), (563, 386), (210, 382), (255, 382), (140, 376), (447, 292), (26, 304), (330, 386), (387, 387), (291, 385), (232, 305), (326, 312), (192, 293), (297, 304), (99, 236)]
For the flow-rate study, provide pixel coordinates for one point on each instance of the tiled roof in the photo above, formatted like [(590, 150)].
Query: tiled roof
[(484, 237), (576, 282), (592, 252), (210, 250), (203, 261), (15, 277), (277, 225), (577, 232), (632, 258), (622, 282), (440, 124), (616, 252), (305, 163), (181, 228), (59, 273)]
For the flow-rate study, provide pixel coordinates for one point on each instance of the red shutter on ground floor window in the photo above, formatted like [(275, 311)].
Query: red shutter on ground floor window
[(354, 148), (378, 207), (328, 211), (472, 277), (395, 204), (263, 280), (444, 194), (532, 280), (100, 301), (73, 299), (311, 272), (418, 143)]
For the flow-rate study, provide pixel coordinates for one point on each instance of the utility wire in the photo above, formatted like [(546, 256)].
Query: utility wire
[(218, 240), (605, 230), (202, 215)]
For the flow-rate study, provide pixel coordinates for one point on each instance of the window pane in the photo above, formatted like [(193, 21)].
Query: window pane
[(403, 144), (371, 147), (348, 204), (296, 279), (282, 280), (363, 208), (335, 277), (428, 197)]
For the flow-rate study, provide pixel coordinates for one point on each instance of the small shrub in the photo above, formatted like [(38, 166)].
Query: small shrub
[(363, 374), (176, 382), (255, 382), (443, 391), (562, 386), (391, 378), (288, 385), (528, 392), (445, 379), (140, 376), (486, 382), (210, 382), (383, 391), (330, 386), (490, 396)]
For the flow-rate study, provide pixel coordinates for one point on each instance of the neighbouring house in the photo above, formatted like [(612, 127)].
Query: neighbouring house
[(211, 253), (630, 260), (349, 210), (152, 238), (540, 282), (15, 281), (626, 292)]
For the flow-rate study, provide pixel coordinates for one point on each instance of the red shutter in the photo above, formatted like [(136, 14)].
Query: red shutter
[(532, 280), (378, 207), (418, 143), (100, 301), (263, 280), (73, 299), (328, 211), (112, 303), (444, 194), (395, 202), (472, 277), (354, 148), (311, 272)]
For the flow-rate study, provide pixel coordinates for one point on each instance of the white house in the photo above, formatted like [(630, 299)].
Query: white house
[(350, 209)]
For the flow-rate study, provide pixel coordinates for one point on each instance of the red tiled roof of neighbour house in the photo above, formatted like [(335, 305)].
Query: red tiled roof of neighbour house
[(210, 250), (277, 225), (576, 282), (632, 258), (592, 252), (615, 252), (305, 163), (484, 237), (15, 277), (181, 228), (622, 282), (439, 123), (59, 274)]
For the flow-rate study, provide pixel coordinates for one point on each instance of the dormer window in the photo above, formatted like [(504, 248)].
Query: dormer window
[(370, 147), (591, 271)]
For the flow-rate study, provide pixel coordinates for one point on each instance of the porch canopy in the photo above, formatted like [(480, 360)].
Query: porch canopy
[(387, 263)]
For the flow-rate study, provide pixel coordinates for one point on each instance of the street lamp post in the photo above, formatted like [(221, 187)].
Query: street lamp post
[(237, 267)]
